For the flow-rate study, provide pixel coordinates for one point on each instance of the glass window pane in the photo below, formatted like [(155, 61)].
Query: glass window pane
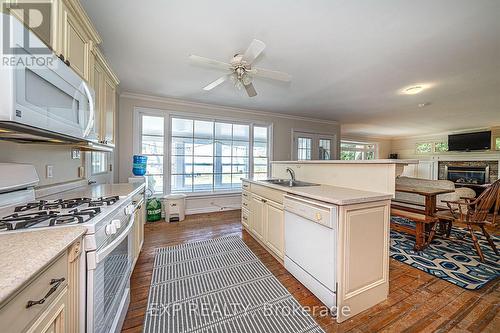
[(99, 162), (260, 134), (324, 149), (370, 155), (182, 127), (222, 181), (203, 182), (240, 148), (155, 183), (152, 145), (152, 125), (222, 148), (182, 183), (182, 164), (203, 129), (154, 165), (424, 148), (240, 165), (241, 132), (260, 176), (182, 146), (222, 164), (223, 131), (236, 179), (497, 143), (260, 149), (441, 146), (203, 165), (203, 147)]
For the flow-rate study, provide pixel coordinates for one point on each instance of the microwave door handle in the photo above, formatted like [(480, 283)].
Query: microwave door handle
[(90, 123), (101, 254)]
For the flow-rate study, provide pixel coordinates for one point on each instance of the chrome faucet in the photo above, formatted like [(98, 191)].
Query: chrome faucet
[(292, 174)]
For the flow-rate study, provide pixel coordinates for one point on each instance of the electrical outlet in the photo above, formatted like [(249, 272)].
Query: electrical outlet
[(75, 154), (81, 172), (50, 171)]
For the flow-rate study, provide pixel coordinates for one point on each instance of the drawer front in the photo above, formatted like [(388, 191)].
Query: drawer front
[(311, 210), (245, 216), (245, 199), (14, 316), (246, 186), (268, 193)]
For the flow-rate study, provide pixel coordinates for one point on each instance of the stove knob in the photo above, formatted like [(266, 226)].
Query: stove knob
[(109, 229), (129, 209), (117, 223)]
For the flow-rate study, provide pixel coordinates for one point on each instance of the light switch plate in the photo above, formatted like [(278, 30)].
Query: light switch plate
[(50, 171), (75, 154)]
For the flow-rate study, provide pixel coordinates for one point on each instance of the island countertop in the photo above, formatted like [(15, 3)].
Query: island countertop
[(379, 161), (26, 253), (332, 194)]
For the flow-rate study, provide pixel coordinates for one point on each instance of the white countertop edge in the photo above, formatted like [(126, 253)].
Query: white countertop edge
[(364, 196), (381, 161)]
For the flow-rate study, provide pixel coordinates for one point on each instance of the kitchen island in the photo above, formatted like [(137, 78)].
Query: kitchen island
[(333, 237)]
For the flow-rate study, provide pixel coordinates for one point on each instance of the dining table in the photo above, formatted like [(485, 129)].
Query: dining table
[(426, 219)]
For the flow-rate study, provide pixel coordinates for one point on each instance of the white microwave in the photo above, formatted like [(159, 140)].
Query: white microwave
[(50, 97)]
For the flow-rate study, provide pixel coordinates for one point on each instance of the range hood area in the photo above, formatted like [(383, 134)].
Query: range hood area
[(19, 133)]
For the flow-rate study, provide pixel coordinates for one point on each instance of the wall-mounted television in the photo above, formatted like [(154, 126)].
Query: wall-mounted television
[(469, 141)]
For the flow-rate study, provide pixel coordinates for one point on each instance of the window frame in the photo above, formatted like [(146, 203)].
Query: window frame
[(315, 137), (375, 150), (167, 144)]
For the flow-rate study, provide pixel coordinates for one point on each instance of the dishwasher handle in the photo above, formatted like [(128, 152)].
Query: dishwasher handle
[(320, 213)]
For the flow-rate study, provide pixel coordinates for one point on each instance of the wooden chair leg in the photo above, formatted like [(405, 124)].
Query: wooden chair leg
[(449, 224), (488, 238), (476, 242), (432, 233)]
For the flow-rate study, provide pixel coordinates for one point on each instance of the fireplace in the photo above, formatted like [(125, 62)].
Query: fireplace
[(468, 175)]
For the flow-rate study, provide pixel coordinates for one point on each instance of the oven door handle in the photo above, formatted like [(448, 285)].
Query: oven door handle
[(101, 254)]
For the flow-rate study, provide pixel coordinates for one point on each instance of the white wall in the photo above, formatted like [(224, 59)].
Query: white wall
[(282, 124), (65, 169)]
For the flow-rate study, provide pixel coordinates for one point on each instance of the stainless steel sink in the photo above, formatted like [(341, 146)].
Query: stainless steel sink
[(289, 183)]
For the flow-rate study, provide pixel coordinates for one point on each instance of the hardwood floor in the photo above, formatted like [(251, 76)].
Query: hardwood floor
[(418, 302)]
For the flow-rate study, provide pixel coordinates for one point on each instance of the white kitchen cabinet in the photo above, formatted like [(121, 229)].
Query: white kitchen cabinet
[(257, 207), (274, 223), (138, 232), (54, 319)]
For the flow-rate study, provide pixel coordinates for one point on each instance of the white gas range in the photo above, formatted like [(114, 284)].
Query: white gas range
[(107, 211)]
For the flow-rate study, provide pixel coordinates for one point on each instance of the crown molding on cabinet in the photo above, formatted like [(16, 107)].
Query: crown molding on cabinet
[(98, 54), (86, 22), (173, 101)]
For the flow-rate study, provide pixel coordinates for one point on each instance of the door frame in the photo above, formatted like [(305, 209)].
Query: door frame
[(315, 136)]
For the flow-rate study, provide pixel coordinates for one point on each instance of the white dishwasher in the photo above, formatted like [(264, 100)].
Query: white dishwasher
[(311, 245)]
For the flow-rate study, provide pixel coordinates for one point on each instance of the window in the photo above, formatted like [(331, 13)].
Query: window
[(440, 147), (152, 145), (357, 151), (214, 156), (423, 148), (313, 146), (98, 162), (497, 140)]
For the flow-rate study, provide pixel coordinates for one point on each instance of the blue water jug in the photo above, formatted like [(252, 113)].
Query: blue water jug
[(139, 165)]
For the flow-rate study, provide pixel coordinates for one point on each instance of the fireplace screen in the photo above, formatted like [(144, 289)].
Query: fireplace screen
[(468, 175)]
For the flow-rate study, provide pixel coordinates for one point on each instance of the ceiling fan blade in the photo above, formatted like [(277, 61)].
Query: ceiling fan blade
[(209, 62), (217, 82), (256, 47), (269, 74), (250, 90)]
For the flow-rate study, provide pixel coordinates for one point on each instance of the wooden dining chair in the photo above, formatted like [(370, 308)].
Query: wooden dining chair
[(476, 212)]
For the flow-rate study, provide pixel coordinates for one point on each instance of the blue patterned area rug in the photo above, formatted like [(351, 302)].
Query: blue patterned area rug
[(453, 260)]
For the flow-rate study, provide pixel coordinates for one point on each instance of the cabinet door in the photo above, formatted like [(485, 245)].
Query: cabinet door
[(258, 207), (109, 111), (98, 85), (75, 44), (275, 235), (53, 320)]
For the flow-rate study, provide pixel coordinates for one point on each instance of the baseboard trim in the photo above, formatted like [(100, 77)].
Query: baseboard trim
[(203, 210)]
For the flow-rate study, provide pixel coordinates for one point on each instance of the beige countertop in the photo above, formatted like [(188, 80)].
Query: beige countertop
[(26, 253), (332, 194), (379, 161)]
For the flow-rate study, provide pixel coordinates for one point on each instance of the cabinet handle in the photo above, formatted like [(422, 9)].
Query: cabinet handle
[(245, 195), (245, 218), (61, 57), (55, 283), (67, 63), (263, 200)]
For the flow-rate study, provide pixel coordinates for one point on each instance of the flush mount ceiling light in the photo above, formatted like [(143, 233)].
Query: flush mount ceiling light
[(415, 89)]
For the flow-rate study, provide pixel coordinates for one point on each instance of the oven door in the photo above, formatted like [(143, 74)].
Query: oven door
[(108, 274), (53, 97)]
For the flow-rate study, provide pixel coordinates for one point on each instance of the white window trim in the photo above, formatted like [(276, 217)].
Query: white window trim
[(168, 115)]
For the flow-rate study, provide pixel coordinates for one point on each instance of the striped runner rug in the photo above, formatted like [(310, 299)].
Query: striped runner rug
[(219, 285)]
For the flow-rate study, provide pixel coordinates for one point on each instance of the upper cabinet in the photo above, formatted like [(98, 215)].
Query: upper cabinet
[(104, 83), (75, 43)]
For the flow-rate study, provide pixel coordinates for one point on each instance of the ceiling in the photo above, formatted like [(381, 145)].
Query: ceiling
[(348, 59)]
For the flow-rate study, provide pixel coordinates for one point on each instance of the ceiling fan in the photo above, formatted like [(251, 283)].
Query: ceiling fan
[(241, 71)]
